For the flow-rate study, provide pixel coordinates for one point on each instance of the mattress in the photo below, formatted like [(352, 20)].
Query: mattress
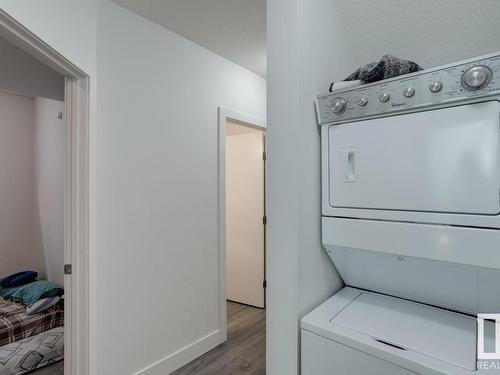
[(33, 352), (16, 325)]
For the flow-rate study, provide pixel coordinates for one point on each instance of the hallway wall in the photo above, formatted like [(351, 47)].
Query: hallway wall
[(157, 191)]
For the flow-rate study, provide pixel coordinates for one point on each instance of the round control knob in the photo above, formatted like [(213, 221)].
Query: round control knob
[(338, 105), (384, 97), (476, 78), (435, 86), (409, 92), (363, 101)]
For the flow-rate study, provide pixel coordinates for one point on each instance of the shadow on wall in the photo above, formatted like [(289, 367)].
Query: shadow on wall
[(50, 158)]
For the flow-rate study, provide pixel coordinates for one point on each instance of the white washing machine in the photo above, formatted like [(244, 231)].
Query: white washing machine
[(411, 220)]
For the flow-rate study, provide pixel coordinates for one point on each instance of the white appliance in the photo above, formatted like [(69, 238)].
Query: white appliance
[(411, 219)]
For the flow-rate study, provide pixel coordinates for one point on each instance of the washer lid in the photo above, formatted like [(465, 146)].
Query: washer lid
[(437, 333)]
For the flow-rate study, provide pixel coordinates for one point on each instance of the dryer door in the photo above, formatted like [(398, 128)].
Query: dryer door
[(440, 161)]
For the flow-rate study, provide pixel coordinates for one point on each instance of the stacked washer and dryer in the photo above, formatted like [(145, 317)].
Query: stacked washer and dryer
[(411, 220)]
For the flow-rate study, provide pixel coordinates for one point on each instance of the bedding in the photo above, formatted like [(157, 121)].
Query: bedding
[(30, 293), (5, 293), (32, 353), (42, 305), (16, 324), (19, 278)]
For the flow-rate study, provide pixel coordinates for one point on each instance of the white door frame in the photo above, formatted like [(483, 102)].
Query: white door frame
[(240, 118), (76, 200)]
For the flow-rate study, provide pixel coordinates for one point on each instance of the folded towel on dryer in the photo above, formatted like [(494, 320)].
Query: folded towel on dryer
[(344, 84)]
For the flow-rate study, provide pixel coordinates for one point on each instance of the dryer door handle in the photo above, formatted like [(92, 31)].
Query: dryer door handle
[(350, 169)]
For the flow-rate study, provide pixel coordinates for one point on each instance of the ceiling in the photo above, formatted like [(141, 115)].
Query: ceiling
[(234, 29)]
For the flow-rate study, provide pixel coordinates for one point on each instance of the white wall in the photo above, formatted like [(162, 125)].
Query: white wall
[(20, 245), (68, 26), (50, 157), (311, 43), (157, 264), (32, 152), (23, 74)]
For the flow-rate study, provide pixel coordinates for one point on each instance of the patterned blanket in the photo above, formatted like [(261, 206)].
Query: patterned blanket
[(32, 352), (16, 325)]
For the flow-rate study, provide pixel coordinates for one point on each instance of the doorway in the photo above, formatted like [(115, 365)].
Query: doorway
[(245, 213), (242, 265), (242, 235), (242, 270), (73, 110)]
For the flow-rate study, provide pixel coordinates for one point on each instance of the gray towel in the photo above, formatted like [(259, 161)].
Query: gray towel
[(389, 66)]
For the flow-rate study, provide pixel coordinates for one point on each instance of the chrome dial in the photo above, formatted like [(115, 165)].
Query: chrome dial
[(338, 105), (435, 86), (476, 78), (384, 97), (409, 92), (363, 101)]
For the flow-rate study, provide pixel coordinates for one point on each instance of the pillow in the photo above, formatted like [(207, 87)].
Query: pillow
[(19, 278), (41, 305), (30, 293), (7, 293)]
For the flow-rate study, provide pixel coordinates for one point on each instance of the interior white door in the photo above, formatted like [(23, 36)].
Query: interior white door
[(245, 209)]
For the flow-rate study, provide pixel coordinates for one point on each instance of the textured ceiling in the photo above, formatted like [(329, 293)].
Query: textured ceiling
[(234, 29)]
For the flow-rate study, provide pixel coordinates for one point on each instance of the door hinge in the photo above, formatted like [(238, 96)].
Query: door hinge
[(264, 156), (264, 284), (264, 220), (68, 269)]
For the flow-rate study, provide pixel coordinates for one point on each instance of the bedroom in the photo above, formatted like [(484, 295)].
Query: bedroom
[(32, 190)]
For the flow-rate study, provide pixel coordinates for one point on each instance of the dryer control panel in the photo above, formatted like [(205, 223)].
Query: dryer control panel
[(466, 81)]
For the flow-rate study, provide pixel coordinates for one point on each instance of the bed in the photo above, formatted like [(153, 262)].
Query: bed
[(33, 352), (28, 342), (16, 325)]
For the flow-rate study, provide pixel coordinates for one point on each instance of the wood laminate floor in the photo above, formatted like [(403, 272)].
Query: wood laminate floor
[(55, 369), (245, 349), (243, 353)]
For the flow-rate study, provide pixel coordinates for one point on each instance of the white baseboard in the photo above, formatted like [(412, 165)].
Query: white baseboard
[(183, 356)]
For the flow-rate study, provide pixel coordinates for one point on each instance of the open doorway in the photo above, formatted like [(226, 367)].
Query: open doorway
[(32, 183), (44, 206), (245, 213), (242, 257), (242, 241)]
